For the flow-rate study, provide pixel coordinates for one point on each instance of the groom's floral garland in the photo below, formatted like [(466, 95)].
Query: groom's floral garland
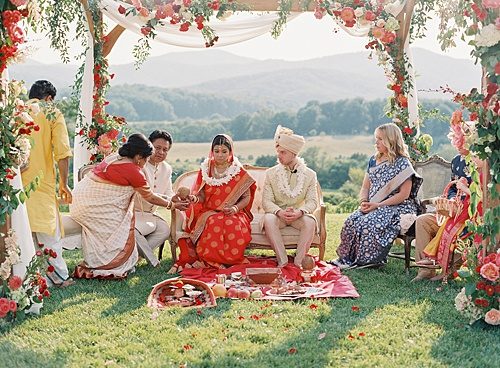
[(284, 181)]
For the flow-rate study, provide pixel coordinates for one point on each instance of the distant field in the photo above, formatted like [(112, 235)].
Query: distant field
[(334, 147)]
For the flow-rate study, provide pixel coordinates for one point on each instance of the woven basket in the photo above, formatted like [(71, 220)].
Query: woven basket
[(161, 289), (446, 207)]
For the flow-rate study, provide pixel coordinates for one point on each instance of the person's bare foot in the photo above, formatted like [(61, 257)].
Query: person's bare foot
[(173, 269)]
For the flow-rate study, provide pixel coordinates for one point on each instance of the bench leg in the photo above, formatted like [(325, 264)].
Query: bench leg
[(321, 251)]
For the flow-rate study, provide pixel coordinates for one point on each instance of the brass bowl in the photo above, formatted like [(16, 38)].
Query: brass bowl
[(263, 276)]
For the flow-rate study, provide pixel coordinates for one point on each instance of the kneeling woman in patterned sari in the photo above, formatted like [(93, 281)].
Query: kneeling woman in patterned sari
[(103, 204), (217, 227), (389, 191)]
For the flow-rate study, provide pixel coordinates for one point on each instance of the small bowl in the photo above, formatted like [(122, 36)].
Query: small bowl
[(263, 276)]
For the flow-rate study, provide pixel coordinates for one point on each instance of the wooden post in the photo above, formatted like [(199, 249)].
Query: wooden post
[(4, 228)]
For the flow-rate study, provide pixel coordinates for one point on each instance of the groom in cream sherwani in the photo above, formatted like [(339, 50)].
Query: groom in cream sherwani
[(289, 197)]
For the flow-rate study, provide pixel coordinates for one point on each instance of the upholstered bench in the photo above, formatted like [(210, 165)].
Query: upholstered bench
[(259, 239)]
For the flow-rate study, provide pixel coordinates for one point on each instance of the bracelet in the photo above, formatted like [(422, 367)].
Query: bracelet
[(169, 205), (235, 208), (363, 200)]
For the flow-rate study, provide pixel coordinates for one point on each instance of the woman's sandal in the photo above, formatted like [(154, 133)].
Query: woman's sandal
[(428, 263)]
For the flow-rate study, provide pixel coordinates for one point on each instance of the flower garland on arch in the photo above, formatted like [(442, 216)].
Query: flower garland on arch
[(283, 180), (233, 170), (104, 134), (380, 17), (185, 13)]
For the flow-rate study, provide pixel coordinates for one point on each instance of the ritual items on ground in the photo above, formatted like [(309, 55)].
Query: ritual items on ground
[(263, 276), (308, 265), (181, 293)]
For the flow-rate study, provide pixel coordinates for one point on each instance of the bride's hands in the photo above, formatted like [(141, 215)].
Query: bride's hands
[(232, 210)]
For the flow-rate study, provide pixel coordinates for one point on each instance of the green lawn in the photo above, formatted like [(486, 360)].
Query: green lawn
[(107, 324)]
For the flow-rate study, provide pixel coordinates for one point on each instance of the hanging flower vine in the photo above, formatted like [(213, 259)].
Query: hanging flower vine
[(105, 132)]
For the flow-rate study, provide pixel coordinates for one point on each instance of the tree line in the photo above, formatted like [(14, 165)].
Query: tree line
[(344, 117)]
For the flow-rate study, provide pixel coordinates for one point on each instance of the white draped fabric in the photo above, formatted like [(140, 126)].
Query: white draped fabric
[(19, 218), (21, 226), (235, 29)]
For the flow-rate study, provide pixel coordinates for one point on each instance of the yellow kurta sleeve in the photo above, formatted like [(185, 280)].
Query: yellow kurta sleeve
[(60, 139)]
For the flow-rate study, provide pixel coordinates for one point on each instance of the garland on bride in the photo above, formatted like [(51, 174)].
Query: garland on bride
[(233, 170)]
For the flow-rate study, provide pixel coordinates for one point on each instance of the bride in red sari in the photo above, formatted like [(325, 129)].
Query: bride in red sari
[(217, 226)]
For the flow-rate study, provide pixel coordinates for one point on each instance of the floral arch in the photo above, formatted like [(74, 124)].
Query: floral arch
[(389, 25)]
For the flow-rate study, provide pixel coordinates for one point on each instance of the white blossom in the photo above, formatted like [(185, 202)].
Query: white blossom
[(489, 36)]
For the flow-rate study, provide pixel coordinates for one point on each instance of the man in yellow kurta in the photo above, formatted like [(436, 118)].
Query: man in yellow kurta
[(289, 197), (49, 145)]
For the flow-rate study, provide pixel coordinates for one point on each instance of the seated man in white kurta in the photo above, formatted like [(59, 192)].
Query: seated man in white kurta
[(151, 230), (289, 197)]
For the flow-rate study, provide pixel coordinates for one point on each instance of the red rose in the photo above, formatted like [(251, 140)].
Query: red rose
[(396, 88), (490, 290), (12, 305), (497, 68), (480, 285), (39, 253), (184, 27), (15, 282), (81, 132), (146, 30), (121, 9), (46, 293), (408, 130), (50, 268), (473, 116), (93, 133)]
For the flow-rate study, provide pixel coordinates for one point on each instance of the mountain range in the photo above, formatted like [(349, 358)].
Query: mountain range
[(273, 83)]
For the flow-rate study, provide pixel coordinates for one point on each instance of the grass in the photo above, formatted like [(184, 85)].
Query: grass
[(107, 324), (332, 146)]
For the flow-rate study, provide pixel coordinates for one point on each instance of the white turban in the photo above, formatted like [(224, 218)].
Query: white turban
[(285, 138)]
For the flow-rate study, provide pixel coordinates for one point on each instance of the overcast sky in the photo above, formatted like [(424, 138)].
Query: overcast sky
[(304, 38)]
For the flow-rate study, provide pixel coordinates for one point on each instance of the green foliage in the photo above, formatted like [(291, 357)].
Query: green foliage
[(57, 17)]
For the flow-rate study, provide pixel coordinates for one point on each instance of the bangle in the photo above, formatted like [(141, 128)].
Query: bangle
[(363, 200), (169, 205), (235, 208), (196, 198)]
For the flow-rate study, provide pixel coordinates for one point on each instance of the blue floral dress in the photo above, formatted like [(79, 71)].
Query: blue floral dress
[(367, 238)]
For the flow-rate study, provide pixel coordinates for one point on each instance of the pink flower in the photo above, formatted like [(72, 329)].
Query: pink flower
[(369, 15), (19, 2), (347, 14), (456, 117), (378, 32), (137, 4), (457, 136), (489, 271), (187, 3), (318, 13), (15, 283), (491, 4), (497, 23), (492, 317)]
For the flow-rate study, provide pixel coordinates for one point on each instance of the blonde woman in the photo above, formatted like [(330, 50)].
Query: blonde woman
[(389, 190)]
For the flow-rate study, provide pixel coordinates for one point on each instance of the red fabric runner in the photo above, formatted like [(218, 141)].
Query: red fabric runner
[(329, 277)]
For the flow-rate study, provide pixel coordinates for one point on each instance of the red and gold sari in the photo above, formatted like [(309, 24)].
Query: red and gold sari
[(441, 247), (210, 235)]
